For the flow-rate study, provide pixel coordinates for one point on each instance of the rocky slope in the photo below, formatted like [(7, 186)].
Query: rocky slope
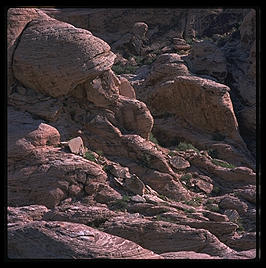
[(148, 161)]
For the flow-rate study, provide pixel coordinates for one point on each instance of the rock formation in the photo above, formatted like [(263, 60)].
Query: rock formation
[(150, 165)]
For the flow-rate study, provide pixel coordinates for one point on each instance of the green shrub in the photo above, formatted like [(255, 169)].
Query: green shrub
[(90, 156), (240, 228), (195, 202), (139, 59), (212, 207), (172, 153), (100, 153), (124, 69), (186, 177), (224, 164), (189, 41), (122, 204), (216, 190), (182, 146), (149, 61)]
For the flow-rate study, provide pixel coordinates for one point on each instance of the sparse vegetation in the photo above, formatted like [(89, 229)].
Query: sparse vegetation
[(240, 228), (90, 156), (186, 177), (224, 164), (100, 153), (216, 190), (122, 204), (189, 210), (212, 206), (182, 146), (189, 41), (172, 153), (195, 201), (153, 139), (124, 69)]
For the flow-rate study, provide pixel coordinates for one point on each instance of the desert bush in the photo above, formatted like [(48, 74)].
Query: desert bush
[(182, 146), (124, 69), (90, 156), (224, 164)]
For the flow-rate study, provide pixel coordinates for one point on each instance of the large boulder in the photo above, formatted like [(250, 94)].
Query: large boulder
[(17, 20), (65, 240), (204, 103), (41, 59)]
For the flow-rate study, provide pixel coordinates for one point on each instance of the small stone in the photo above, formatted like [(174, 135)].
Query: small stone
[(179, 162), (138, 199), (76, 146), (119, 172), (135, 185), (232, 214)]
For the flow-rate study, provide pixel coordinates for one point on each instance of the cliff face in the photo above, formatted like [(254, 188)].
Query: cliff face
[(121, 143)]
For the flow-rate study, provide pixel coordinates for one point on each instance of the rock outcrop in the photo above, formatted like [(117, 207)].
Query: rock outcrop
[(133, 166), (192, 109), (65, 240), (49, 42)]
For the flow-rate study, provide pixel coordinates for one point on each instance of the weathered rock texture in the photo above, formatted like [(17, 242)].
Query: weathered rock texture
[(64, 240), (49, 42), (87, 177)]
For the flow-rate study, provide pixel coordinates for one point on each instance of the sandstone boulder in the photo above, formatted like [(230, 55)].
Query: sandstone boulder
[(44, 135), (135, 185), (42, 62), (126, 89), (248, 193), (18, 18), (64, 240), (80, 213), (134, 116), (233, 202), (167, 65), (140, 29), (161, 236), (197, 100), (232, 215), (180, 44)]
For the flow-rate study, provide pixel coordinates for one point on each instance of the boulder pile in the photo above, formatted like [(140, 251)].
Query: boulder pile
[(150, 165)]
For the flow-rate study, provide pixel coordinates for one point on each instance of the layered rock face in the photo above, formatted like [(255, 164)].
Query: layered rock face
[(86, 176)]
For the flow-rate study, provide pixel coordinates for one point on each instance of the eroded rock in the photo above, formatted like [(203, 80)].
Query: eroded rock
[(50, 41), (65, 240)]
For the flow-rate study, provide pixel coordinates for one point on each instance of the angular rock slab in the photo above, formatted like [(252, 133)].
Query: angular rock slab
[(76, 146), (161, 236), (64, 240)]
